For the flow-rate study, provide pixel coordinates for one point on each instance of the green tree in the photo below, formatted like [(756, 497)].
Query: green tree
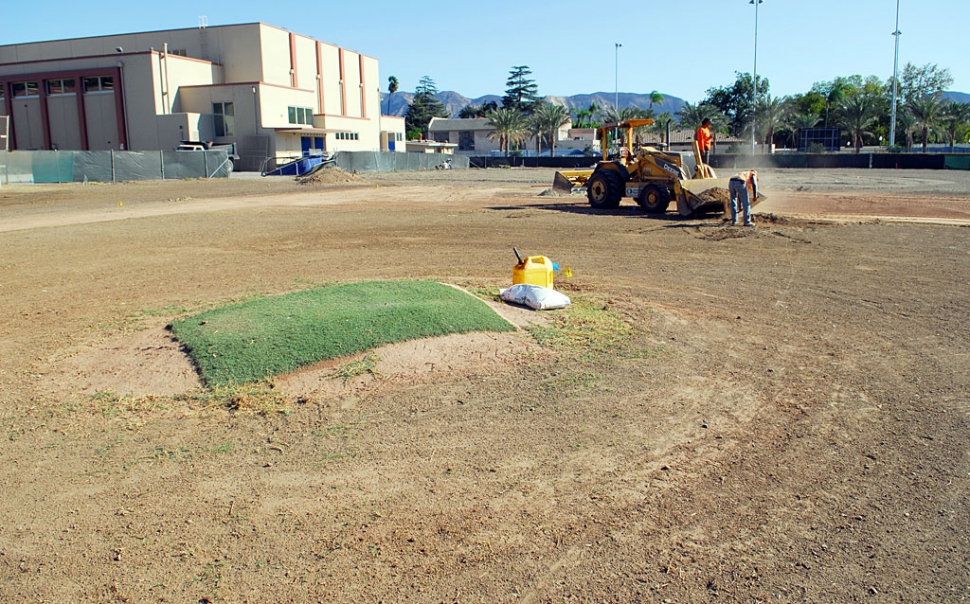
[(510, 128), (833, 92), (424, 107), (655, 99), (584, 118), (521, 92), (808, 103), (691, 116), (923, 81), (474, 111), (927, 111), (392, 86), (858, 113), (955, 118), (734, 101)]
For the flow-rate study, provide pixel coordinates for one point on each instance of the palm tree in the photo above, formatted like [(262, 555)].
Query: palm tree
[(801, 121), (858, 113), (835, 95), (510, 128), (535, 127), (927, 111), (655, 99), (583, 118), (552, 118), (955, 116), (611, 114), (906, 123), (719, 122), (392, 86), (660, 124), (690, 116), (772, 113)]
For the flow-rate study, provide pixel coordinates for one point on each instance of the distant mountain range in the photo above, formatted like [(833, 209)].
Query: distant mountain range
[(960, 97), (455, 102)]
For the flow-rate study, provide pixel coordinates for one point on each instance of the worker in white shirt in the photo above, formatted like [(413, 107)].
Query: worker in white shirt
[(744, 189)]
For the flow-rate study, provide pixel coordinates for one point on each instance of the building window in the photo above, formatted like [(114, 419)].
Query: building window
[(98, 84), (440, 137), (466, 140), (398, 136), (224, 119), (300, 115), (348, 136), (179, 52), (60, 86), (25, 89)]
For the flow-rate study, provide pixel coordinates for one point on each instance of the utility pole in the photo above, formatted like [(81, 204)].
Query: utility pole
[(616, 82), (892, 119), (754, 94)]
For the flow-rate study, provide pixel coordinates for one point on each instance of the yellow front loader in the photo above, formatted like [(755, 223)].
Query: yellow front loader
[(650, 176)]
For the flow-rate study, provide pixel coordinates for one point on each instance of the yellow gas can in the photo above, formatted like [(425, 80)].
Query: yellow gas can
[(534, 270)]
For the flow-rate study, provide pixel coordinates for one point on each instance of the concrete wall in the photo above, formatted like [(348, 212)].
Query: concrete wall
[(235, 47), (330, 80), (185, 72)]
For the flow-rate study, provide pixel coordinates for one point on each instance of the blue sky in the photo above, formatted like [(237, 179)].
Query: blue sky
[(679, 47)]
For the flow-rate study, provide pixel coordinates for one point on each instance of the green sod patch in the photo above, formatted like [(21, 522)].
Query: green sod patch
[(262, 338)]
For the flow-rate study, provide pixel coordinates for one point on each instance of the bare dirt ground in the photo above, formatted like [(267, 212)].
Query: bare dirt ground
[(788, 420)]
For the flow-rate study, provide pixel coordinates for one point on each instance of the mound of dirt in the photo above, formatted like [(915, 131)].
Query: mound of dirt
[(716, 194), (330, 176)]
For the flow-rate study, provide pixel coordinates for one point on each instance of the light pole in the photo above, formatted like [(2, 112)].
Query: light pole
[(616, 81), (892, 118), (754, 93)]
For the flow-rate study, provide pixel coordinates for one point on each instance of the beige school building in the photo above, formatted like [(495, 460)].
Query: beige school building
[(273, 92)]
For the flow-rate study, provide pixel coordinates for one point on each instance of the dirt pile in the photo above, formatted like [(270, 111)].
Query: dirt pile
[(329, 176), (716, 194)]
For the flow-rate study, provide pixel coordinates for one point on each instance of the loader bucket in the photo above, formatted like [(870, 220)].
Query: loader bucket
[(703, 195), (566, 180)]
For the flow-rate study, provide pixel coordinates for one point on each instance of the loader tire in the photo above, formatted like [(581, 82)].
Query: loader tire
[(604, 190), (654, 199)]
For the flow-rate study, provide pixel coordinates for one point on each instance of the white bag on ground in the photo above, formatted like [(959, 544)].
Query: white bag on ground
[(535, 297)]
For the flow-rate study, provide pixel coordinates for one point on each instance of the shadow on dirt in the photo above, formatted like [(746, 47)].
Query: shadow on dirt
[(586, 209)]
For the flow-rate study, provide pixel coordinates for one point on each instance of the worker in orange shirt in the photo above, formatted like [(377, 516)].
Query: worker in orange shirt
[(705, 139)]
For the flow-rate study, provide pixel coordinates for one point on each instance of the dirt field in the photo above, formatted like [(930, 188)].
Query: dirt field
[(786, 420)]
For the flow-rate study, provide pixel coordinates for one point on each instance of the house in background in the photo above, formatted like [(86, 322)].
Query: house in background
[(472, 136), (272, 92)]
